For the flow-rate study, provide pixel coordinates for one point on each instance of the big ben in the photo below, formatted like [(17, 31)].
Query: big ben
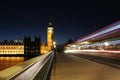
[(50, 30)]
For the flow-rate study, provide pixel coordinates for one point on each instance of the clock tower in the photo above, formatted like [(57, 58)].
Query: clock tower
[(50, 30)]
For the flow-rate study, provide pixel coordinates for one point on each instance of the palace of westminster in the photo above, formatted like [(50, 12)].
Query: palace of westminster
[(28, 47)]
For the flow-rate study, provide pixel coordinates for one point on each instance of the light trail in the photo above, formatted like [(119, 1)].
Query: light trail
[(106, 40), (102, 32), (92, 50)]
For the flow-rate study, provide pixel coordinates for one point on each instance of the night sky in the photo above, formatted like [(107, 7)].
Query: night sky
[(71, 18)]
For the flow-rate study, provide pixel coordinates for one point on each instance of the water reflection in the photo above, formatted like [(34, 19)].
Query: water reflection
[(6, 62)]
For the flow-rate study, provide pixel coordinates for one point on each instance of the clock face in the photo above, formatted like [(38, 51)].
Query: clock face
[(50, 31)]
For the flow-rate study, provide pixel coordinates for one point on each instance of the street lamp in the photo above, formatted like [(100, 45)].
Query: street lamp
[(54, 44)]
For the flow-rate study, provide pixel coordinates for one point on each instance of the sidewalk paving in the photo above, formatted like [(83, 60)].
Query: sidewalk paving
[(69, 67)]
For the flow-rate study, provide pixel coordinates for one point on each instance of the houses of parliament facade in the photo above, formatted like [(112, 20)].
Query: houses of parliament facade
[(27, 46)]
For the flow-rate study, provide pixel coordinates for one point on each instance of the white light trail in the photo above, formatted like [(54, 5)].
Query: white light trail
[(92, 50), (101, 32)]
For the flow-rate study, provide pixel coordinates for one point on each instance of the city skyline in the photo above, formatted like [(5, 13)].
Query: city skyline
[(71, 19), (27, 46)]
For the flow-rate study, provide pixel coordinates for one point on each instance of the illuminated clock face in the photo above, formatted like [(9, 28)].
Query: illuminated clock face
[(50, 31)]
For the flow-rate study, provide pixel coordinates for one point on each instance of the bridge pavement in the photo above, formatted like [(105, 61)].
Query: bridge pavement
[(69, 67)]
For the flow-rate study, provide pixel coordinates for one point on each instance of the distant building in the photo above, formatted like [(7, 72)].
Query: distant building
[(47, 47), (27, 46), (12, 47), (32, 47)]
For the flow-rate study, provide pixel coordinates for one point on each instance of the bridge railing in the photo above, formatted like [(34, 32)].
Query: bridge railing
[(33, 69)]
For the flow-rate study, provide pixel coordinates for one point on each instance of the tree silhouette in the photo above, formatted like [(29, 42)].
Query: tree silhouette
[(69, 41)]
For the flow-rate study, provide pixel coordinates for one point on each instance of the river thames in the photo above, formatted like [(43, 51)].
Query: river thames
[(6, 62)]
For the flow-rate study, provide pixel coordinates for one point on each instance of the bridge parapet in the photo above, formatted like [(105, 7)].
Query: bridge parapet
[(33, 69)]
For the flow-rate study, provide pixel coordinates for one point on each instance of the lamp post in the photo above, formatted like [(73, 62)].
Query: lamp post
[(54, 44)]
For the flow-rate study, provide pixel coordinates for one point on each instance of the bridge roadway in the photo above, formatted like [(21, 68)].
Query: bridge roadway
[(70, 67)]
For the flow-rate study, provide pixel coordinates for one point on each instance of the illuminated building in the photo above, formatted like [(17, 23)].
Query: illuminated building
[(11, 47), (47, 47), (44, 48), (50, 36), (28, 47)]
